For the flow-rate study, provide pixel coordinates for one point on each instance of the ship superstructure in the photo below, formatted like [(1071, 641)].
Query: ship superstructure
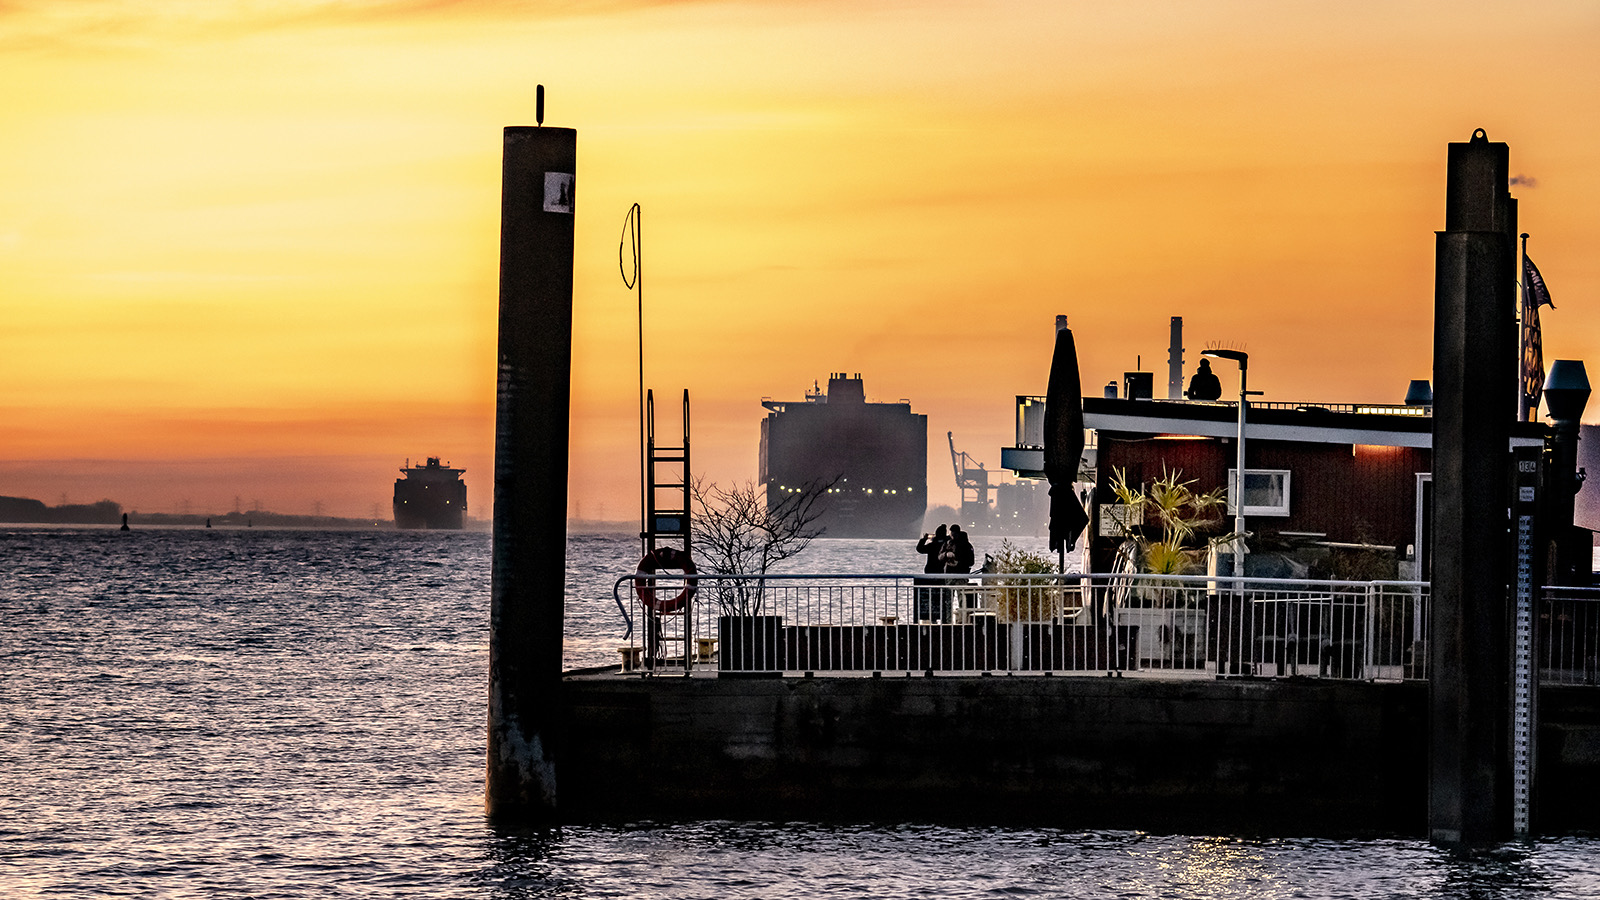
[(430, 496), (876, 455)]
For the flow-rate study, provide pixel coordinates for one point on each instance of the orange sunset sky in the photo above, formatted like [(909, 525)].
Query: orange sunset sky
[(249, 249)]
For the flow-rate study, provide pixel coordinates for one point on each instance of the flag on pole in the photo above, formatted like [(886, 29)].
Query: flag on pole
[(1538, 294), (1531, 374), (1532, 362)]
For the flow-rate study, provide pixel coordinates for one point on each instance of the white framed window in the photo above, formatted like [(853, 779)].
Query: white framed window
[(1266, 492)]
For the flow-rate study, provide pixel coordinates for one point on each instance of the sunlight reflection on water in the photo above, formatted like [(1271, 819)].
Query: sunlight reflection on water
[(300, 715)]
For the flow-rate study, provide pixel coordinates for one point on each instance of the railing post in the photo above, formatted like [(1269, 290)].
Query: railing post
[(688, 629), (1371, 638)]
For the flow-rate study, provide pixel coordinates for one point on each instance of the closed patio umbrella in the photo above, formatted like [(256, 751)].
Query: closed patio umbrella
[(1063, 441)]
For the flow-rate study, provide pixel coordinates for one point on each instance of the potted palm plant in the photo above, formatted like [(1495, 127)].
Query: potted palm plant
[(1169, 519)]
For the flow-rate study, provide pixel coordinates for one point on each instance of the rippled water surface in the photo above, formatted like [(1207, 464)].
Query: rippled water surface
[(193, 713)]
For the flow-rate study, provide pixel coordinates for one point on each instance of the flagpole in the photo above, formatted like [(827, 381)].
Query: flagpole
[(1523, 336)]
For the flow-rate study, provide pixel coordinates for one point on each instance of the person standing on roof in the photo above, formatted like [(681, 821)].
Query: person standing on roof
[(1204, 385)]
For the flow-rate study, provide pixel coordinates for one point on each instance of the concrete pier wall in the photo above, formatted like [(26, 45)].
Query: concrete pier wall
[(1566, 789), (1270, 757), (1273, 757)]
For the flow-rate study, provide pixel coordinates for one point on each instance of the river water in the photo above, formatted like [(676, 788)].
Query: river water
[(300, 714)]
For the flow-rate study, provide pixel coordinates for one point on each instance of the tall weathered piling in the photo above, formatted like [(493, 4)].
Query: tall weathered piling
[(530, 471), (1474, 377)]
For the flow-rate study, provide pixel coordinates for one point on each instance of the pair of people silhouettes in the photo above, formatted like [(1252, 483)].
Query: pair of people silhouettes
[(949, 552)]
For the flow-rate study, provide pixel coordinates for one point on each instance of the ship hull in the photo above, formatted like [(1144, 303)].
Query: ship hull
[(432, 519), (871, 457), (430, 497), (899, 519)]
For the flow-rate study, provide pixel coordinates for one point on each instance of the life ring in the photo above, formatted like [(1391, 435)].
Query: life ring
[(645, 586)]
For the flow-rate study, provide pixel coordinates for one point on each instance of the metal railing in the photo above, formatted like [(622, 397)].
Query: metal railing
[(1175, 626), (1567, 636), (1025, 432)]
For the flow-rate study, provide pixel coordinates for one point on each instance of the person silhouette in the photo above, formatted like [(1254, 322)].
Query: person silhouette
[(957, 561), (927, 588), (963, 555), (1204, 385)]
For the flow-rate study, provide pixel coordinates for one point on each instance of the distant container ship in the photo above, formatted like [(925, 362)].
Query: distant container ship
[(430, 496), (877, 451)]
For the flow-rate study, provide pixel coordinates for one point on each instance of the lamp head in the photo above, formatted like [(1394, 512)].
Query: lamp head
[(1566, 390), (1238, 356)]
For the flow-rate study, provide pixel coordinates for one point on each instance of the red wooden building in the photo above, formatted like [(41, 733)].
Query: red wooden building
[(1325, 476)]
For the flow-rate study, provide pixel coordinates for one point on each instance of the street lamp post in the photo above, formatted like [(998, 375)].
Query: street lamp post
[(1243, 359), (1566, 393)]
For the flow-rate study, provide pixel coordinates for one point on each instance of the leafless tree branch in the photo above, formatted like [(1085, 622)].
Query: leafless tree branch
[(737, 533)]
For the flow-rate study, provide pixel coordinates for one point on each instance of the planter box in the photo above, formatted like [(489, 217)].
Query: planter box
[(1077, 648), (1168, 638), (750, 645)]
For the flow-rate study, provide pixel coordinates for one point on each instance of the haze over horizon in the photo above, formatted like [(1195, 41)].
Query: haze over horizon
[(251, 249)]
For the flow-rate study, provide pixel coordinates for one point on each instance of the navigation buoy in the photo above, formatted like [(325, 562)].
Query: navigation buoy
[(124, 522)]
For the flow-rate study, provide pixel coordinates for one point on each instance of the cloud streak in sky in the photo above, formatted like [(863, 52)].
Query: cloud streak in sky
[(50, 24)]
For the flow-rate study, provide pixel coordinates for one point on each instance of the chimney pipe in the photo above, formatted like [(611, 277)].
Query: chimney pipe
[(1175, 361)]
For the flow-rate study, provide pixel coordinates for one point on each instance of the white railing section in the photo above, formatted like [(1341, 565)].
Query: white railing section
[(1567, 636), (1175, 626)]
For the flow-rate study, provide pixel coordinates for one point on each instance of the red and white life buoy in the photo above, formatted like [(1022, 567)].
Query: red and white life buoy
[(645, 585)]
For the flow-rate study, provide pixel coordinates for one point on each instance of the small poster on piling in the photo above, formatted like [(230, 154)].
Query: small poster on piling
[(558, 192)]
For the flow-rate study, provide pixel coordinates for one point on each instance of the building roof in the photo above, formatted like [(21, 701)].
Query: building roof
[(1377, 425)]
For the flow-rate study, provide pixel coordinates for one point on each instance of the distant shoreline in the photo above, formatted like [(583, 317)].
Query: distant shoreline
[(15, 511), (109, 513)]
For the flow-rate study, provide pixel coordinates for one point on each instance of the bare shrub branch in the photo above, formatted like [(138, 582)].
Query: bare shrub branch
[(736, 533)]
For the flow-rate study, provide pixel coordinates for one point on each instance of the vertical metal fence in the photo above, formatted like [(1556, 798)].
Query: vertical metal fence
[(1567, 636), (1172, 626)]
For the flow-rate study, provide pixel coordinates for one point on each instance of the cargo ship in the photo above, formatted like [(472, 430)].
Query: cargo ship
[(875, 455), (430, 496)]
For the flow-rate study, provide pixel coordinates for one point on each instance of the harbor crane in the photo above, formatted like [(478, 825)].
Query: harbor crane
[(972, 479)]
